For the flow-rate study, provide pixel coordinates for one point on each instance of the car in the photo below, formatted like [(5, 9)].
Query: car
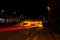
[(30, 24)]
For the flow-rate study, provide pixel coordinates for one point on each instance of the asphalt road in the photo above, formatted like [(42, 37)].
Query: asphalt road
[(30, 34)]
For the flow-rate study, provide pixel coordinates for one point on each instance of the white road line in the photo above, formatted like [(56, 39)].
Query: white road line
[(35, 38), (31, 35)]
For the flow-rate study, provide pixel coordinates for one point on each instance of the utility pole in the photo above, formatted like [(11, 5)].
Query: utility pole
[(50, 9)]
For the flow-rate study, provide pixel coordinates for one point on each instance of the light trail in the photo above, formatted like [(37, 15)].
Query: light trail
[(30, 24), (10, 29), (14, 28)]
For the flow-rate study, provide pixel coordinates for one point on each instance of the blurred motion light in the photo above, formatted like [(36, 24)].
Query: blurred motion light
[(14, 12), (32, 24), (7, 20), (2, 20), (48, 8), (2, 11)]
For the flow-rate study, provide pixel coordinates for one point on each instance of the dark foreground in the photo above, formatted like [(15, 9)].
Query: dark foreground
[(30, 34)]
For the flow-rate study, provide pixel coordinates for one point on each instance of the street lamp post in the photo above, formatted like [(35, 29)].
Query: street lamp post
[(50, 9)]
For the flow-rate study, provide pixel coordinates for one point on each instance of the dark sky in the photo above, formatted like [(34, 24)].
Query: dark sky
[(34, 10), (26, 9)]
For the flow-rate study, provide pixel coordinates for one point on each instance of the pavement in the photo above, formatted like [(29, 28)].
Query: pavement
[(30, 34)]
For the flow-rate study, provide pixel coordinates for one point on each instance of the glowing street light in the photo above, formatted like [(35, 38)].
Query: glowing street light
[(2, 11), (14, 12), (48, 8)]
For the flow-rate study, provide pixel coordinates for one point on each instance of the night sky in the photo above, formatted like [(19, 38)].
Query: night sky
[(29, 10), (33, 10)]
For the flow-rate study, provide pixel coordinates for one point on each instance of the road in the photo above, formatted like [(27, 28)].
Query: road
[(29, 34)]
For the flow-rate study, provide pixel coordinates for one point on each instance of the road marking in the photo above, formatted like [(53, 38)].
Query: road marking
[(13, 36), (35, 38), (31, 35), (4, 34)]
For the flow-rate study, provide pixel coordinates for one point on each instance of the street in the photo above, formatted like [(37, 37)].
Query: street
[(29, 34)]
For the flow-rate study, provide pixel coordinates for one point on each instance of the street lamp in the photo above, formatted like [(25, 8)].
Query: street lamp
[(2, 11), (48, 8)]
